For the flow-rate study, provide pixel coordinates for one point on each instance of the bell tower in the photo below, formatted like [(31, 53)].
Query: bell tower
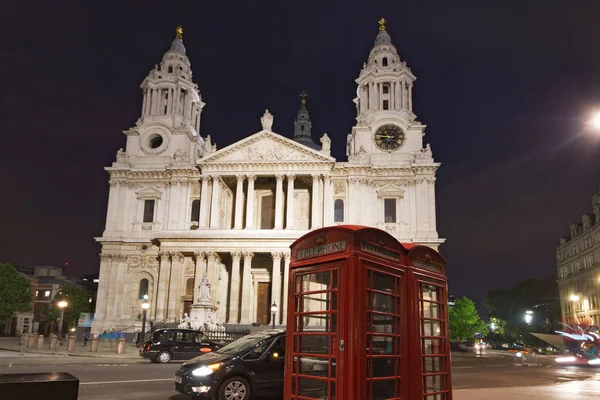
[(386, 131)]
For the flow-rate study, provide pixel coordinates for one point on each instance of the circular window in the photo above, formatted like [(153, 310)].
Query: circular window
[(155, 141)]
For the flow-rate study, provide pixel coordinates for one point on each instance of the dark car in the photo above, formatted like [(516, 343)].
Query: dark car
[(251, 365), (176, 344)]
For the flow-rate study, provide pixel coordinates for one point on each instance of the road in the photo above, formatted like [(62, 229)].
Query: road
[(107, 379)]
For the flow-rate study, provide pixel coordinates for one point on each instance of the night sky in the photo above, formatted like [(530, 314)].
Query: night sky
[(504, 87)]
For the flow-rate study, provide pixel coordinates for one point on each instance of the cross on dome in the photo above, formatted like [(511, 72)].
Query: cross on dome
[(382, 22), (179, 33), (304, 95)]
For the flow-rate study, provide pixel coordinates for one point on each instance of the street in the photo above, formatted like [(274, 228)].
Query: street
[(133, 378)]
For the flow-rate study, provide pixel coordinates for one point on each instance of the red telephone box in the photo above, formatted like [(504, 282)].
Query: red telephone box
[(367, 318)]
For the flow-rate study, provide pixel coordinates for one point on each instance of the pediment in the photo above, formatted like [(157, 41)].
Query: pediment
[(149, 193), (390, 190), (266, 146)]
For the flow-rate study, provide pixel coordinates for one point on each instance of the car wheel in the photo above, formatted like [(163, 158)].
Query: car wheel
[(235, 388), (163, 357)]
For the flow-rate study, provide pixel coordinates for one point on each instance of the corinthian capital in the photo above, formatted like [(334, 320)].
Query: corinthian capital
[(276, 255), (248, 255), (236, 255)]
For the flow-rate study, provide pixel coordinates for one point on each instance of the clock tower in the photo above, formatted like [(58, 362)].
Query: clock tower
[(386, 131)]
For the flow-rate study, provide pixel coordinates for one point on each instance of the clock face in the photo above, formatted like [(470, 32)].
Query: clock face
[(389, 137)]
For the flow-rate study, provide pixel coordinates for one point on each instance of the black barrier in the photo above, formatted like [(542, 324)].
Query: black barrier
[(47, 386)]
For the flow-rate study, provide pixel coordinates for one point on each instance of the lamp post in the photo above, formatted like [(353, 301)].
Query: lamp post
[(145, 307), (61, 304), (528, 317), (274, 312)]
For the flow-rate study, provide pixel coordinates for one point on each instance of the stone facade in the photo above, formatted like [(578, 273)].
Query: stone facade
[(179, 208), (578, 259)]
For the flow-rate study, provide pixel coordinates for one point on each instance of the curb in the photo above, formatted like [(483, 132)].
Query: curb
[(74, 354)]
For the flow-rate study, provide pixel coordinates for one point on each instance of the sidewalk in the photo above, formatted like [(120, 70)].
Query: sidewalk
[(581, 390), (104, 351)]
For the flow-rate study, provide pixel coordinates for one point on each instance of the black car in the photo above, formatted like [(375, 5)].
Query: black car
[(251, 365), (176, 344)]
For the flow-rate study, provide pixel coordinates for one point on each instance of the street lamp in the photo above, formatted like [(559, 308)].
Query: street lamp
[(145, 307), (274, 312), (493, 326), (61, 304), (528, 316), (574, 297), (595, 120)]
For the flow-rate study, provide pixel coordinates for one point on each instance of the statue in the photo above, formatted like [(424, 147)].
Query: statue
[(204, 289), (121, 156), (185, 322), (208, 148), (267, 120), (326, 144), (426, 152)]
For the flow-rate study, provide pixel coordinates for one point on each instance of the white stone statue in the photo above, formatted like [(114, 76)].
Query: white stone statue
[(179, 155), (204, 289), (121, 156), (426, 152), (326, 144), (267, 120), (185, 322)]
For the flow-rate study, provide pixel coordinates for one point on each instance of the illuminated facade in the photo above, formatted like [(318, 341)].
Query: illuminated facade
[(181, 210), (578, 258)]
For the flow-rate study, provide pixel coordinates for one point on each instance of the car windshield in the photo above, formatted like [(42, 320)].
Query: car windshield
[(244, 343)]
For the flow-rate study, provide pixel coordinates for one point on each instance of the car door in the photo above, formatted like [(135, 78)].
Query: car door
[(202, 344), (184, 347), (255, 363), (271, 374)]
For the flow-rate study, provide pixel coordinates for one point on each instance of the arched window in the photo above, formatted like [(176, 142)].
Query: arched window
[(143, 288), (384, 62), (170, 69), (189, 287), (338, 211), (195, 217)]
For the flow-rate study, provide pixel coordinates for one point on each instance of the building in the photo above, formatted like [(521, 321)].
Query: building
[(22, 322), (182, 212), (578, 259)]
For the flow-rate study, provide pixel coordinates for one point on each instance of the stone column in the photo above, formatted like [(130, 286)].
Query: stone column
[(327, 201), (284, 297), (239, 202), (289, 219), (247, 289), (200, 258), (276, 283), (279, 201), (163, 281), (250, 203), (174, 287), (203, 223), (215, 214), (321, 203), (410, 96), (213, 275), (315, 202), (234, 298), (432, 219), (103, 278)]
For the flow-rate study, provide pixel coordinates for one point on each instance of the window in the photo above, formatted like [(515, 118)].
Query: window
[(384, 62), (155, 141), (301, 128), (386, 89), (195, 217), (389, 206), (338, 211), (386, 104), (257, 351), (148, 211), (143, 288), (184, 337), (170, 69)]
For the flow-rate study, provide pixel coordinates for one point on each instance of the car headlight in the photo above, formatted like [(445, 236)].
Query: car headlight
[(206, 370)]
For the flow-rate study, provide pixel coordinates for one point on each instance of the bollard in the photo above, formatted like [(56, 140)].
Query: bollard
[(71, 345), (121, 346), (40, 342), (31, 340), (53, 341), (94, 345)]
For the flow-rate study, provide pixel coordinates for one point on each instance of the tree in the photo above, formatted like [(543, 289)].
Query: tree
[(15, 292), (464, 320), (78, 301)]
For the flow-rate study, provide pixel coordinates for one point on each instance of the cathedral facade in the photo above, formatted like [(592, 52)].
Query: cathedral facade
[(182, 212)]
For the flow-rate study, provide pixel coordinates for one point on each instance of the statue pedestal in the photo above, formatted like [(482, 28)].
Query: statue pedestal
[(201, 313)]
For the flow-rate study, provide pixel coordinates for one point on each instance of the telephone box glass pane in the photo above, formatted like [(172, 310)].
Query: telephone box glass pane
[(315, 334), (433, 340), (383, 322)]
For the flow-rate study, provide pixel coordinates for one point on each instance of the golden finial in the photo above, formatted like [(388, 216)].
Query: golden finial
[(179, 33), (382, 22), (304, 95)]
